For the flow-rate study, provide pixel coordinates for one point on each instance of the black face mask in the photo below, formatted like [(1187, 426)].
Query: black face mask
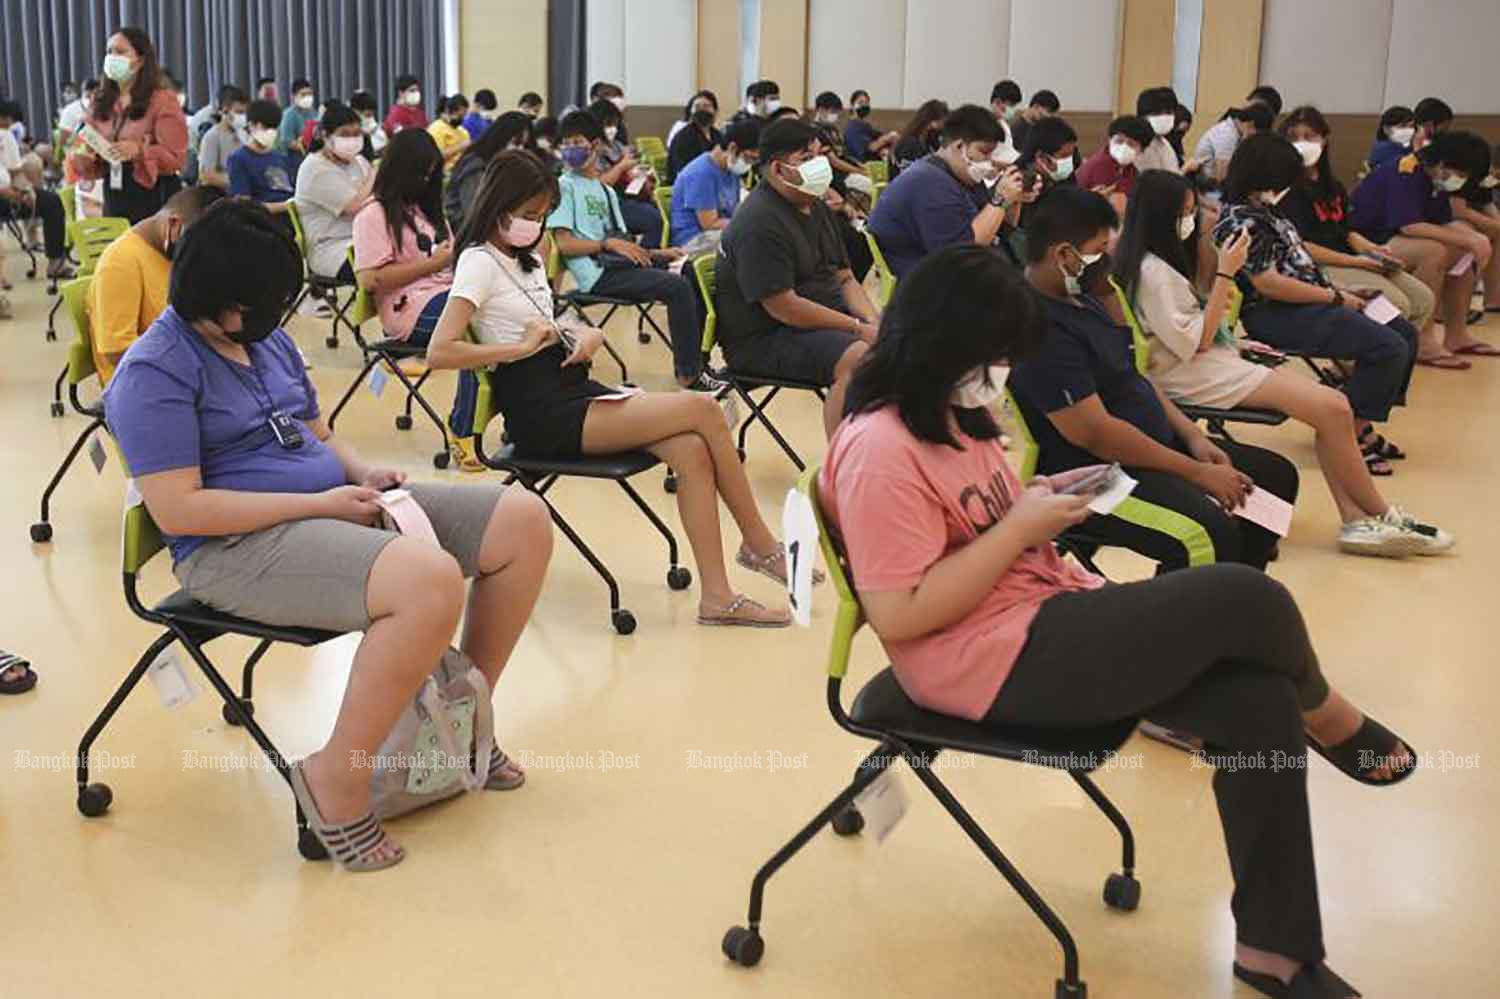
[(863, 111), (1093, 279), (703, 119), (255, 325)]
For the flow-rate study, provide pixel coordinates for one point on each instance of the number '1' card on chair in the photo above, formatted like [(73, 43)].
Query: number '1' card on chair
[(799, 526)]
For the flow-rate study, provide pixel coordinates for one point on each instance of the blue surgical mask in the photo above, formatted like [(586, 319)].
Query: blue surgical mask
[(574, 157)]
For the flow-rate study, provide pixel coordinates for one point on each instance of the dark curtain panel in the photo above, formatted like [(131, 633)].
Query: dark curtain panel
[(565, 54), (340, 45)]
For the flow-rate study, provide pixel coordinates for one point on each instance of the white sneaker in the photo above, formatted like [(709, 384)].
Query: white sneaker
[(1394, 535), (1435, 540)]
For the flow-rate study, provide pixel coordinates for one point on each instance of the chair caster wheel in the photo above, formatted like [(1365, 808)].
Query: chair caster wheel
[(669, 483), (230, 718), (94, 799), (332, 343), (1123, 892), (1066, 991), (309, 847), (403, 422), (57, 410), (31, 274), (849, 822), (41, 532), (440, 460), (743, 947), (643, 337), (679, 577), (623, 620)]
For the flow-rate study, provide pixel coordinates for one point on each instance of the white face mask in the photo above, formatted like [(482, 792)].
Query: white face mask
[(1273, 197), (981, 171), (826, 117), (619, 103), (1185, 225), (368, 124), (263, 137), (239, 121), (1122, 152), (1402, 135), (305, 101), (117, 67), (773, 104), (412, 97), (1452, 182), (1161, 124), (1063, 169), (489, 115), (1489, 182), (1005, 154), (739, 166), (346, 147), (816, 174), (610, 132), (1311, 150), (544, 144), (982, 387), (1071, 281)]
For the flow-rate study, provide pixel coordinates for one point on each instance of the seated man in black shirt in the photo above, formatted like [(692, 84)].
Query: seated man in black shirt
[(1084, 400), (788, 304)]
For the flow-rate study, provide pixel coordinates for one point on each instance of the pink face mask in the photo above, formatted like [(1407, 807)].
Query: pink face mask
[(521, 232)]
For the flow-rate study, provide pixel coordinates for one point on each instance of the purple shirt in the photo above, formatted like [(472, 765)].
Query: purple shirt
[(1395, 195), (925, 209), (175, 402)]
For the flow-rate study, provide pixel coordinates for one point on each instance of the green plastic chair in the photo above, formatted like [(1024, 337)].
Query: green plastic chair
[(883, 273), (80, 368), (647, 145), (87, 239), (882, 712), (68, 195), (880, 187), (878, 170), (663, 197), (326, 288)]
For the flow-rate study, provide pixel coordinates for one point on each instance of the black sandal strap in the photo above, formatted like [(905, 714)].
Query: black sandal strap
[(1366, 751), (1312, 981)]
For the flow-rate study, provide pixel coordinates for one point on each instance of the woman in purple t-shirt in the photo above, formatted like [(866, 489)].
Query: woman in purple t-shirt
[(271, 518), (955, 569)]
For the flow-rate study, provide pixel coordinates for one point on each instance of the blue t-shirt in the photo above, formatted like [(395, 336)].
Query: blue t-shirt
[(858, 135), (1397, 195), (268, 178), (589, 210), (175, 402), (702, 185), (925, 209), (475, 124), (293, 121)]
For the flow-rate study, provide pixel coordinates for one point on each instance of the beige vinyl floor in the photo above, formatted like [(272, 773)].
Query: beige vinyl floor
[(617, 869)]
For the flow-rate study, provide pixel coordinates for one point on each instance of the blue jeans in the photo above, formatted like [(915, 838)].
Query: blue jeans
[(651, 284), (461, 416), (644, 219)]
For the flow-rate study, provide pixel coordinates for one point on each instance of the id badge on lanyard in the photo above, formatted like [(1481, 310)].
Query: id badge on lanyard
[(288, 435)]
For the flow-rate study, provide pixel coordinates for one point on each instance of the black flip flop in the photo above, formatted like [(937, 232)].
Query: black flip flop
[(1372, 741), (1311, 982), (20, 684)]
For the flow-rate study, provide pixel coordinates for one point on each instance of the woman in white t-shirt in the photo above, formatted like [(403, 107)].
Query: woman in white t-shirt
[(552, 409), (333, 184)]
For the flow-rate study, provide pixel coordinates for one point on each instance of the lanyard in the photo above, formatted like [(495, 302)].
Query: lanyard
[(562, 334), (257, 389)]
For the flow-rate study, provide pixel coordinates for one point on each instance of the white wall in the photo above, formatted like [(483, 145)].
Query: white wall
[(956, 50), (857, 44), (1448, 49), (649, 47), (1067, 46)]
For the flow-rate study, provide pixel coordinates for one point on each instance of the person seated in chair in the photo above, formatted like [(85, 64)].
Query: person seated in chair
[(553, 410), (258, 171), (788, 303), (270, 517), (131, 277), (953, 562), (1084, 401), (863, 140), (590, 230), (223, 137), (1195, 358), (1111, 171), (333, 184), (694, 135), (708, 190)]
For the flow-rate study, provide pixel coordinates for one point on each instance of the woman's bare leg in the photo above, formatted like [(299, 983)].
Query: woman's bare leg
[(512, 564)]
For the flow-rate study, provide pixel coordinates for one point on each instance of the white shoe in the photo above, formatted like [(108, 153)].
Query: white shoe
[(1435, 540), (1393, 535)]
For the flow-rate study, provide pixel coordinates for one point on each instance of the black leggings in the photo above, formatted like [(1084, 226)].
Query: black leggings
[(1221, 651), (49, 209)]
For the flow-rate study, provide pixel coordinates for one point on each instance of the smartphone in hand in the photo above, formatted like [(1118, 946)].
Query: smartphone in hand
[(1092, 482)]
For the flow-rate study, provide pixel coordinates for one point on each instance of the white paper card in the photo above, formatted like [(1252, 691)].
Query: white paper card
[(378, 378), (883, 804), (622, 392), (132, 494), (102, 147), (677, 265), (1112, 497), (116, 177), (636, 184), (799, 526), (96, 455), (1268, 510), (1464, 263), (171, 683), (1381, 309)]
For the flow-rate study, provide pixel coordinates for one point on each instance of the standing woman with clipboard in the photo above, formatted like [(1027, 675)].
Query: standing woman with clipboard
[(143, 128)]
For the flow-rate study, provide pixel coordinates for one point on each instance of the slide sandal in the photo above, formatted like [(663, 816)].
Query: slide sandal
[(24, 677), (1372, 742), (505, 773), (1371, 442), (1311, 982), (354, 845), (1479, 350), (1446, 361)]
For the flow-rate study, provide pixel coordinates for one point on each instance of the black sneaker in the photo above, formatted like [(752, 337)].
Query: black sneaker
[(707, 384)]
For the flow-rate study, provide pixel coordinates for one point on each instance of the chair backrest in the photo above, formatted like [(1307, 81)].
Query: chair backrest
[(554, 262), (882, 271), (363, 307), (658, 164), (705, 269), (68, 195), (92, 236), (297, 233), (649, 144), (1138, 338), (142, 539), (878, 170), (1029, 447), (75, 294), (850, 616), (663, 197), (484, 399), (880, 187)]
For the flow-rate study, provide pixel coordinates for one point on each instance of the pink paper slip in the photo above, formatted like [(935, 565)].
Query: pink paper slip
[(1464, 263), (1381, 309), (410, 519), (1268, 510)]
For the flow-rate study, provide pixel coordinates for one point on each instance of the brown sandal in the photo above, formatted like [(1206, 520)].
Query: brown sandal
[(771, 566), (743, 612)]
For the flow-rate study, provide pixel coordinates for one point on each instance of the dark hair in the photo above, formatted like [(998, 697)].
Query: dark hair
[(530, 97), (92, 83), (604, 90), (169, 81), (501, 133), (191, 202), (512, 179), (785, 137), (579, 123), (858, 94), (363, 100), (605, 113), (744, 133), (1453, 149), (266, 113), (1047, 136), (828, 100), (545, 126), (1396, 114), (1263, 162), (263, 81), (971, 123), (961, 308), (1432, 110), (1258, 115), (451, 103), (1046, 99), (1067, 214), (1132, 127), (410, 177), (928, 114), (237, 255), (405, 82), (1006, 90), (1151, 227), (231, 94), (337, 114), (145, 83), (1267, 95), (12, 110), (485, 97), (762, 88), (687, 109), (1325, 184), (301, 83), (1156, 100), (786, 111), (1476, 164)]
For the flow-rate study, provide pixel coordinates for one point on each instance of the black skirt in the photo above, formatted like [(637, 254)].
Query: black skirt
[(544, 403), (135, 202)]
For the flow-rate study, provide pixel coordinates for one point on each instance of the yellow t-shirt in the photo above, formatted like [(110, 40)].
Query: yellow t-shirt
[(128, 293), (450, 139)]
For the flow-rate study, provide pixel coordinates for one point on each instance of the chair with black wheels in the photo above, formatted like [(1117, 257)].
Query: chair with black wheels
[(882, 713), (80, 368), (326, 289), (705, 268), (191, 625), (89, 238), (578, 301), (540, 475), (389, 353)]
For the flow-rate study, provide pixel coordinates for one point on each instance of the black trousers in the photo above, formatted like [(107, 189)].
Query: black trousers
[(135, 202), (49, 209), (1176, 524), (1221, 651)]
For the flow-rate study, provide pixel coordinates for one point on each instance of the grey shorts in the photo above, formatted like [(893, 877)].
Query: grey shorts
[(314, 573)]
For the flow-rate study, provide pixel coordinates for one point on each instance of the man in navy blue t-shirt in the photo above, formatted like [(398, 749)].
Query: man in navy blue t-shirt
[(256, 170)]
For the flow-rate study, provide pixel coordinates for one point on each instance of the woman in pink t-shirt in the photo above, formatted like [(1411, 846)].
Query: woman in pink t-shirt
[(955, 568)]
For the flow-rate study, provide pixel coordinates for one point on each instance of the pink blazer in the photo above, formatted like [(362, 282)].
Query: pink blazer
[(162, 133)]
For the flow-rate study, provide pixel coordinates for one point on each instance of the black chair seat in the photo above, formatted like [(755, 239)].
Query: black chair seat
[(586, 298), (204, 623), (399, 348), (882, 704), (1237, 414), (322, 283), (749, 380), (605, 466)]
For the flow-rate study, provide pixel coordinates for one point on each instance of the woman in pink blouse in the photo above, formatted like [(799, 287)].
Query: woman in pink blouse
[(143, 123)]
